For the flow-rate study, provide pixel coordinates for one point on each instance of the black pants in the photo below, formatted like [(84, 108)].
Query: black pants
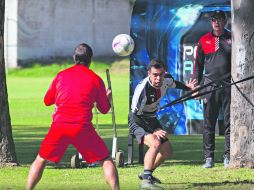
[(218, 99)]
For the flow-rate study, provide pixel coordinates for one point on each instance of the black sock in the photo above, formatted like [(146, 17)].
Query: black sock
[(147, 174)]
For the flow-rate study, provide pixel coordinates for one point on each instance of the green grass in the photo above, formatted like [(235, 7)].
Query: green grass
[(27, 87), (37, 70), (31, 121)]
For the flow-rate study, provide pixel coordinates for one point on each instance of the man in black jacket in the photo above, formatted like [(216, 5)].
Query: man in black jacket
[(214, 55)]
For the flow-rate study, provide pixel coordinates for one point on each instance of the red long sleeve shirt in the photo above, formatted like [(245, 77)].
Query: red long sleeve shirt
[(214, 55), (74, 92)]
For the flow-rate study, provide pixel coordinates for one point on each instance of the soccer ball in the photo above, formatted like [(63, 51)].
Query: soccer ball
[(123, 45)]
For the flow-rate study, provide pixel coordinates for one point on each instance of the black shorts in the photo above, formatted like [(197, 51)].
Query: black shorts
[(143, 125)]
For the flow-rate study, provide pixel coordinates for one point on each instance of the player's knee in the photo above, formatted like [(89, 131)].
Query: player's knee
[(110, 171), (156, 144), (39, 161), (108, 162)]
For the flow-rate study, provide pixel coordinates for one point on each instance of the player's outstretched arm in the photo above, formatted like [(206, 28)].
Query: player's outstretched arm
[(189, 86)]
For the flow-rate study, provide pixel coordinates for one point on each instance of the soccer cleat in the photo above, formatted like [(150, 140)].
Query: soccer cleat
[(148, 184), (154, 179), (226, 161), (208, 163)]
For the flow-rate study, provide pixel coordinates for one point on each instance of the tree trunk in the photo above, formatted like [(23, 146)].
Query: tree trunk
[(242, 113), (7, 147)]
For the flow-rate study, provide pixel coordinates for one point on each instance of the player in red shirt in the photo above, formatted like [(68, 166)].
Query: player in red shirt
[(74, 92)]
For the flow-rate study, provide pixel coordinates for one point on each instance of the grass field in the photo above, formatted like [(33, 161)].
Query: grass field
[(31, 120)]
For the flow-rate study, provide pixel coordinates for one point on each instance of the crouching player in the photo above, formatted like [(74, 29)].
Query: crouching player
[(74, 92), (144, 124)]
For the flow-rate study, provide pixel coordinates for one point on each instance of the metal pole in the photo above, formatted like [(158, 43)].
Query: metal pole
[(115, 143), (112, 104)]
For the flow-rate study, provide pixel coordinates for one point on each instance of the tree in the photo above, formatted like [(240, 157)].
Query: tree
[(7, 147), (242, 112)]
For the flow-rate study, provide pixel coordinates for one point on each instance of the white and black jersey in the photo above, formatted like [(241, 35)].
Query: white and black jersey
[(142, 118), (146, 98)]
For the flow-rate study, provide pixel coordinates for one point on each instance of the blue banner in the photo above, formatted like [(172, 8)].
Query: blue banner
[(169, 30)]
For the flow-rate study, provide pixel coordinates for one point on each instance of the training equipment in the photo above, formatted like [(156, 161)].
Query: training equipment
[(131, 138), (191, 95), (117, 154), (123, 45)]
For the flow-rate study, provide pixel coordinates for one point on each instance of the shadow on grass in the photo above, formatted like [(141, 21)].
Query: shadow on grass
[(241, 184), (224, 183), (28, 140), (182, 162), (188, 149)]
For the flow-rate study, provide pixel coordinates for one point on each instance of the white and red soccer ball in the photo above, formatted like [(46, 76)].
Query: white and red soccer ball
[(123, 45)]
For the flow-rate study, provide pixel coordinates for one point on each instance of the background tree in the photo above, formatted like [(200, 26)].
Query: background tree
[(7, 147), (242, 113)]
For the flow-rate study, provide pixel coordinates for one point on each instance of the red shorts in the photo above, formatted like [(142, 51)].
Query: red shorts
[(83, 138)]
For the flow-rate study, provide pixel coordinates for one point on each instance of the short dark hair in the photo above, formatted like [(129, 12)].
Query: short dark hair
[(156, 63), (83, 54)]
